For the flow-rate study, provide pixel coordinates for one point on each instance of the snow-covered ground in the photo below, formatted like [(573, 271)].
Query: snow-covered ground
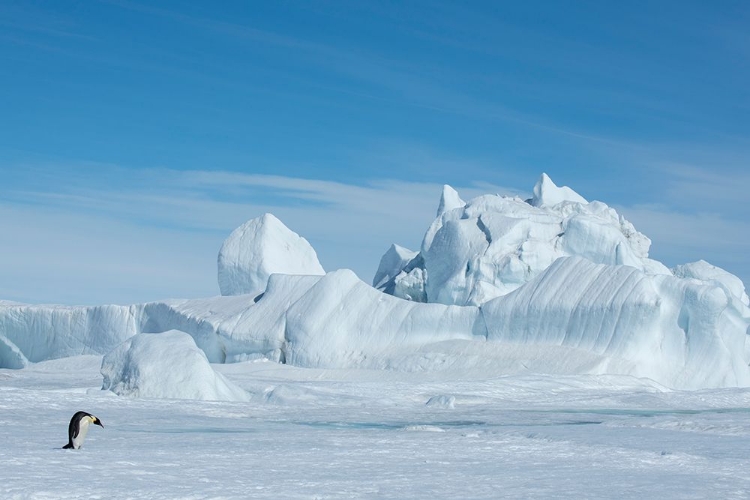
[(315, 433)]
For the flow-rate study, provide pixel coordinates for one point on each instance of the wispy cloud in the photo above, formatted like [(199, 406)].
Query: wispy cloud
[(700, 213), (376, 76), (679, 237), (101, 233), (156, 233), (82, 257), (703, 189), (30, 18)]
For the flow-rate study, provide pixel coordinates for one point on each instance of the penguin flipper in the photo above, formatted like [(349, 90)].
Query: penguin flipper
[(75, 424)]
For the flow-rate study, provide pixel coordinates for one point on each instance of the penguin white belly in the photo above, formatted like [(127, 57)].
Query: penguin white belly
[(83, 429)]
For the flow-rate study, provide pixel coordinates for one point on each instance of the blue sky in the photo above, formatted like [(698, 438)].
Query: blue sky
[(134, 136)]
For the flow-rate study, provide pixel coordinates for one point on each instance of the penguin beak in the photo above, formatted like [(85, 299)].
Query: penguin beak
[(99, 423)]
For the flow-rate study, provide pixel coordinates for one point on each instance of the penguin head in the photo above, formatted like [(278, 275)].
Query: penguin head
[(96, 421)]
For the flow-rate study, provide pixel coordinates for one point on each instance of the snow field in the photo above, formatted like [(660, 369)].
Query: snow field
[(358, 434)]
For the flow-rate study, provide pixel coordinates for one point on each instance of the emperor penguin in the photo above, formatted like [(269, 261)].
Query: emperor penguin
[(78, 428)]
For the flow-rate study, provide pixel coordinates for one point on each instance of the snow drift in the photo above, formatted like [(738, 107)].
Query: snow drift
[(553, 284), (165, 365)]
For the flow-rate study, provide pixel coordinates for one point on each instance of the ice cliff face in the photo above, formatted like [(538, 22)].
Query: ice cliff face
[(682, 333), (554, 284), (32, 333)]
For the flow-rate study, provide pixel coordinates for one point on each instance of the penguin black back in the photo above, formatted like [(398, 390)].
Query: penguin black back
[(79, 427)]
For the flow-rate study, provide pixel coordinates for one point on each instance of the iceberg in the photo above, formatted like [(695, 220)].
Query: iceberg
[(259, 248), (554, 284), (488, 247)]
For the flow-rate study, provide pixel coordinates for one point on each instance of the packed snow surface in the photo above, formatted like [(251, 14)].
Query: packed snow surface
[(343, 434), (551, 285), (259, 248)]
